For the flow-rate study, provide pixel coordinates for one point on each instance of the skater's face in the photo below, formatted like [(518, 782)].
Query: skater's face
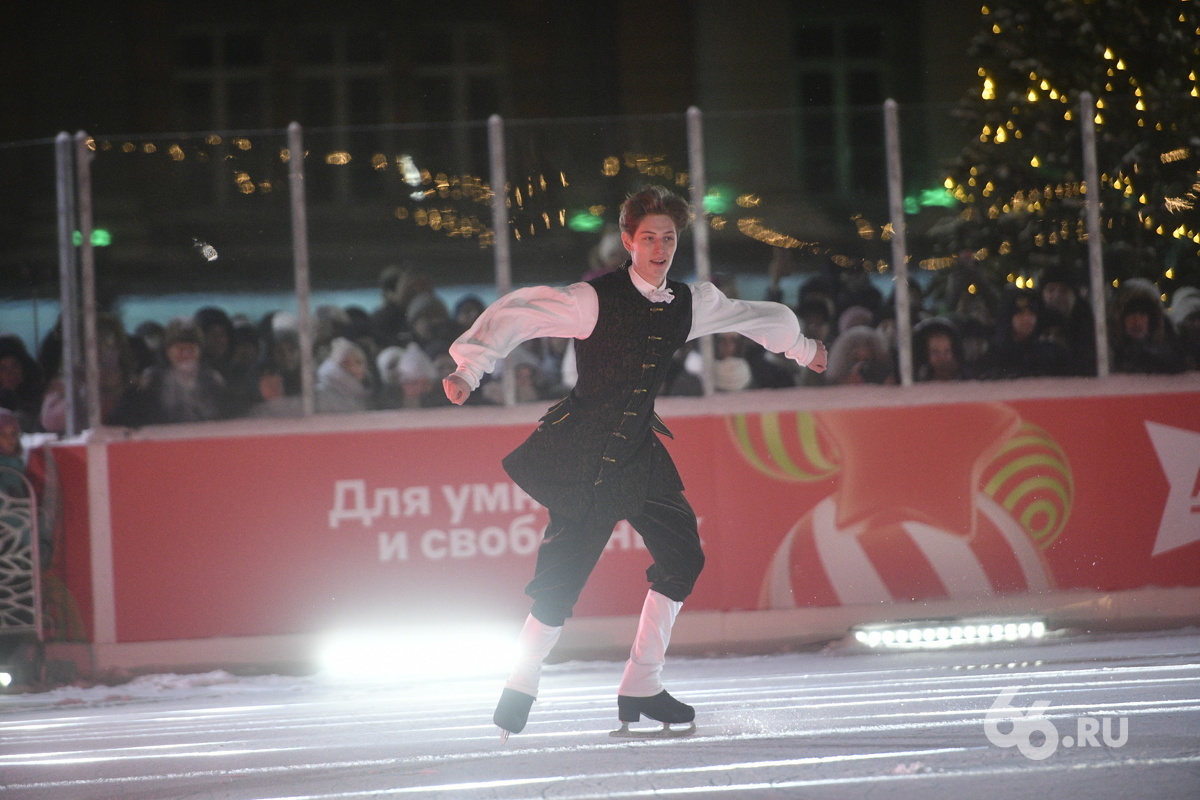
[(652, 248)]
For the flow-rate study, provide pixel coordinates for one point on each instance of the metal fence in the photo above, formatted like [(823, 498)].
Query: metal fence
[(289, 222)]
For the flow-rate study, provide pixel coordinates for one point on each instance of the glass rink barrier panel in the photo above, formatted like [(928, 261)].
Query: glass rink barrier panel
[(996, 223), (29, 286), (1000, 212), (796, 201), (795, 198), (401, 241), (566, 181), (195, 288)]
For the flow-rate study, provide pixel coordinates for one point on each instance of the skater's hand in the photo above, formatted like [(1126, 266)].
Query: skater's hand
[(456, 389), (820, 360)]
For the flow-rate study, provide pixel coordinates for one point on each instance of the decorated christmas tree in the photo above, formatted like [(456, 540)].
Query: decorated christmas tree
[(1021, 181)]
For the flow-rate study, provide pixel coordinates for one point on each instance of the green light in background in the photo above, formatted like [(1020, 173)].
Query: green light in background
[(585, 222), (717, 200), (937, 196), (100, 238)]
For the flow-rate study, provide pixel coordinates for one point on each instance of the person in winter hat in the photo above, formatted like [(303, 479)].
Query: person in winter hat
[(1059, 288), (1018, 348), (21, 381), (343, 380), (1142, 338), (182, 388), (937, 351), (1185, 316)]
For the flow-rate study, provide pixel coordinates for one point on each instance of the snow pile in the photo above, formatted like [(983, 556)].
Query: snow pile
[(151, 687)]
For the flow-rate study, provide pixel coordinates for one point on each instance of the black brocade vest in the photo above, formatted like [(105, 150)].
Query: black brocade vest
[(595, 452)]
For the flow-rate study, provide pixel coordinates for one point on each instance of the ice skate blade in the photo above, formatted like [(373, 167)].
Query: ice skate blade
[(665, 732)]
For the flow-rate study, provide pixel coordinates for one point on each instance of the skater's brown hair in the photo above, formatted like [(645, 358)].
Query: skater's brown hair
[(654, 200)]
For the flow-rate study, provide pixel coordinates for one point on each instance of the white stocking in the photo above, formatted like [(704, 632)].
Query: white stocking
[(534, 643), (643, 670)]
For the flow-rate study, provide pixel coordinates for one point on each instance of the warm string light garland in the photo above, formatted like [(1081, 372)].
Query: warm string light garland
[(1015, 108), (429, 188), (527, 220)]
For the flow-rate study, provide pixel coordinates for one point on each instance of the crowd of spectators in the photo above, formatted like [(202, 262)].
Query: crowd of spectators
[(213, 365), (964, 328)]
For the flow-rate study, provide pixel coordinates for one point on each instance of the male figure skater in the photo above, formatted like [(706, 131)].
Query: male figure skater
[(596, 458)]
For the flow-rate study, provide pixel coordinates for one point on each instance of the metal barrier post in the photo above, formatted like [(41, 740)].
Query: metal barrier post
[(87, 263), (891, 125), (502, 254), (1091, 204), (68, 283), (699, 181), (300, 265)]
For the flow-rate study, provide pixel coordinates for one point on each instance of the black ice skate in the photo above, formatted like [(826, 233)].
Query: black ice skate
[(661, 707), (512, 712)]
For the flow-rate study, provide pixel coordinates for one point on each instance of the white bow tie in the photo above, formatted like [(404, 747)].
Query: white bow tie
[(660, 296)]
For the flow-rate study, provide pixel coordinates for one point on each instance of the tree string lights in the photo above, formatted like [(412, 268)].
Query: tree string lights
[(1020, 180)]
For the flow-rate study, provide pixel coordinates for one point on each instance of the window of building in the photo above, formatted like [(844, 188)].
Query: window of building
[(344, 95), (458, 77), (458, 72), (221, 79), (221, 86), (841, 69)]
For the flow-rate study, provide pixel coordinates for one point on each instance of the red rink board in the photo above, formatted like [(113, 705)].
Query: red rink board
[(280, 534)]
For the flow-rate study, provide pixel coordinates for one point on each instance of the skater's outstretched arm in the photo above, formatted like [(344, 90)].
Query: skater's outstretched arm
[(772, 325), (535, 312)]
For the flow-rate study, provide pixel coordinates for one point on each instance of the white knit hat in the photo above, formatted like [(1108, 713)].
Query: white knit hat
[(415, 365), (732, 374)]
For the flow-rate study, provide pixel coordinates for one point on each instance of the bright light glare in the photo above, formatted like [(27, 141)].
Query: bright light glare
[(948, 633), (6, 679), (417, 653)]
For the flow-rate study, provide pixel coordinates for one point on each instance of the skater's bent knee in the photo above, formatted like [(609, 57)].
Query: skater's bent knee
[(675, 591), (675, 587), (677, 581), (553, 617)]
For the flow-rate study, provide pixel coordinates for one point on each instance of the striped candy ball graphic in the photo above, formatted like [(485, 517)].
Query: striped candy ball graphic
[(1018, 503)]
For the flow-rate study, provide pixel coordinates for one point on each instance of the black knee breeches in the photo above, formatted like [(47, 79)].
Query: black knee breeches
[(572, 546)]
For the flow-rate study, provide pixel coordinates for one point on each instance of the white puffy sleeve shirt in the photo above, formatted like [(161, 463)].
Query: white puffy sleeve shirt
[(570, 312)]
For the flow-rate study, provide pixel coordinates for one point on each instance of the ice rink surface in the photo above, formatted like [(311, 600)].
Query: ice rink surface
[(1076, 716)]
